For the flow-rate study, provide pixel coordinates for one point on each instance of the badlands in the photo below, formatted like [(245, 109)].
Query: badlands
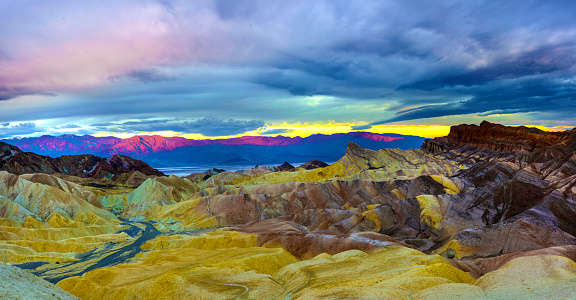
[(487, 212)]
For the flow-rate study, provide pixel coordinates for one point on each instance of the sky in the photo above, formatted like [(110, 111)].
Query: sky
[(227, 68)]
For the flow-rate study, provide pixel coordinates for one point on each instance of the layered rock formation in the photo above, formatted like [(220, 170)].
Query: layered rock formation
[(336, 206), (523, 198), (488, 212), (230, 265), (46, 219), (500, 138), (360, 163)]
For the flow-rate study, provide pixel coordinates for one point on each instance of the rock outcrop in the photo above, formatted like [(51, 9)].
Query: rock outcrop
[(499, 138), (313, 164), (7, 152), (197, 177), (17, 162), (265, 170)]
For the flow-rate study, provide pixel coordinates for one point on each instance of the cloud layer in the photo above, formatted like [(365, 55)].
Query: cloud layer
[(82, 63), (205, 126)]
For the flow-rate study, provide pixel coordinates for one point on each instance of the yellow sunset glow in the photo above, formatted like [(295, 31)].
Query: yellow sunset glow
[(308, 129)]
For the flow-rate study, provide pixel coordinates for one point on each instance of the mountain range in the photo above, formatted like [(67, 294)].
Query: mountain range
[(160, 151)]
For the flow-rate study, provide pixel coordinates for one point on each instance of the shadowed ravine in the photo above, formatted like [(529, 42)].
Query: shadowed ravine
[(106, 256)]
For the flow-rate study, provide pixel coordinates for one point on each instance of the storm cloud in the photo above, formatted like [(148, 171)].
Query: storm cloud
[(256, 62)]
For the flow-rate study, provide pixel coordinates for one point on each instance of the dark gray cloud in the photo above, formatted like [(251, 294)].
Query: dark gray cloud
[(104, 125), (365, 127), (7, 92), (146, 76), (206, 126), (25, 125), (514, 96), (549, 59)]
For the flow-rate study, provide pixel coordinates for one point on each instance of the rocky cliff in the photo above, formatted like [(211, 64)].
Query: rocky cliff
[(500, 138)]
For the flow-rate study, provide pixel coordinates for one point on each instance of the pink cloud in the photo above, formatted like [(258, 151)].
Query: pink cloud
[(148, 38)]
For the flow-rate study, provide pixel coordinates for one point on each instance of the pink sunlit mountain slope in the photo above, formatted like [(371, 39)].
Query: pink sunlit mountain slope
[(141, 145)]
